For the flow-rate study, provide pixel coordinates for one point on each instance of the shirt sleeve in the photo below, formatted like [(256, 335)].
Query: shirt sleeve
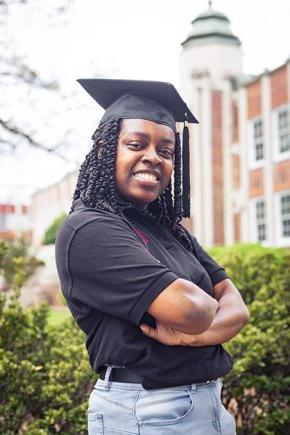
[(112, 271), (216, 271)]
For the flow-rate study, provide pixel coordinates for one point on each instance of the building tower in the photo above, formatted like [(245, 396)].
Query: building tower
[(211, 63)]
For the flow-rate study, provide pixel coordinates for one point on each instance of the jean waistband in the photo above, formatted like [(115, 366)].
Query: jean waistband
[(122, 375)]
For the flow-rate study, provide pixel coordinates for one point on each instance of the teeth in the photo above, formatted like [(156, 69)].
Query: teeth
[(144, 176)]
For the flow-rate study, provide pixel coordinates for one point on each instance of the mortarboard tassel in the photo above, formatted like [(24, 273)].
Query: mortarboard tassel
[(185, 172)]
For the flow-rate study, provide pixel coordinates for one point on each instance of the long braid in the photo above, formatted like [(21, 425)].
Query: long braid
[(177, 180), (96, 184)]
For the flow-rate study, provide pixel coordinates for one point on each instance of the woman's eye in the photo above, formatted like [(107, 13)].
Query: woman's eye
[(135, 145), (167, 153)]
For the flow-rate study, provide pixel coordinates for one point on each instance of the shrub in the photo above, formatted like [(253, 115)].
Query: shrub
[(51, 232), (45, 378), (259, 381), (16, 260)]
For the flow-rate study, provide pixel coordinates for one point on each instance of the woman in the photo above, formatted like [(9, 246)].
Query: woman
[(154, 305)]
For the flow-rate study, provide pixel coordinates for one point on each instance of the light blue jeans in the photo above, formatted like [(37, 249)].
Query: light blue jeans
[(122, 408)]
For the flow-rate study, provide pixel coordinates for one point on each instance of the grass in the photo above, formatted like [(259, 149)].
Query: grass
[(57, 316)]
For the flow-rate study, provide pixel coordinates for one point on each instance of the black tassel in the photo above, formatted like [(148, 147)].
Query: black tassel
[(185, 172)]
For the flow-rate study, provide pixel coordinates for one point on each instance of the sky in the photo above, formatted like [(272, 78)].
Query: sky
[(124, 39)]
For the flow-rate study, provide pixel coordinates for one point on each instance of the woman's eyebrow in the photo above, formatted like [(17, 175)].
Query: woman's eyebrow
[(147, 137), (140, 134)]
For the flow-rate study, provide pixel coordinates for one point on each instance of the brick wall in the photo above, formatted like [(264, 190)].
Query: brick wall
[(237, 226), (236, 176), (235, 122), (217, 165), (279, 87), (254, 102), (282, 175), (256, 185)]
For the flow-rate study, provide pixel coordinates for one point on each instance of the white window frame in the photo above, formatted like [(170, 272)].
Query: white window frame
[(281, 240), (277, 154), (253, 163), (253, 223)]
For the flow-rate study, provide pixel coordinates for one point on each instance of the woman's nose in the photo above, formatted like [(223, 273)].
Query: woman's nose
[(152, 157)]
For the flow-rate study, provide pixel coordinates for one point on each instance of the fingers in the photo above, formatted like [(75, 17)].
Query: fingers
[(148, 331)]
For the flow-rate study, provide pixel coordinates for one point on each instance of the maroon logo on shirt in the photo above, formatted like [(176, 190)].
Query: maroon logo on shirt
[(142, 236)]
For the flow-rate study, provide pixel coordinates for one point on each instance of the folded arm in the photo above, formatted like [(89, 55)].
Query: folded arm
[(230, 317), (185, 307)]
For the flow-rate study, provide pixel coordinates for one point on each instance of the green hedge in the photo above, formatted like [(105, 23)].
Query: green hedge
[(257, 389), (15, 260), (45, 377), (51, 232)]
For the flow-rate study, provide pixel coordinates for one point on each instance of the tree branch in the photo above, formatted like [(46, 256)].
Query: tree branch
[(18, 132)]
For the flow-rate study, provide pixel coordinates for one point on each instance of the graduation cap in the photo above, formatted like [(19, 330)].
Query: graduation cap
[(150, 100)]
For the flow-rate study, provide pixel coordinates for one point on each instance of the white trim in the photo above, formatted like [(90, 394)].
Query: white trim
[(257, 164), (207, 164), (227, 163), (244, 185), (281, 241), (288, 78), (283, 156), (235, 149), (268, 169)]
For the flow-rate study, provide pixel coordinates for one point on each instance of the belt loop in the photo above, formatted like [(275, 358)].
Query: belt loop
[(107, 377), (193, 387)]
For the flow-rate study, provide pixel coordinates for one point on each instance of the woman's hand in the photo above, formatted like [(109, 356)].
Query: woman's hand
[(166, 335)]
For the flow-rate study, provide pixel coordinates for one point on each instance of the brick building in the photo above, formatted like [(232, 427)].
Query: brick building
[(48, 203), (264, 106), (15, 222), (240, 160)]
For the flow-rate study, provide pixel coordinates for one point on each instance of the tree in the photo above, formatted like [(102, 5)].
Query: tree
[(17, 75), (51, 232), (14, 256)]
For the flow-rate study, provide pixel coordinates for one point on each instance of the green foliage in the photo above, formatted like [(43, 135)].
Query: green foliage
[(45, 378), (3, 252), (58, 316), (51, 232), (16, 263), (260, 381)]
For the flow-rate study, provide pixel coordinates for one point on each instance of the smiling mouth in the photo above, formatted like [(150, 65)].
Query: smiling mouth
[(146, 177)]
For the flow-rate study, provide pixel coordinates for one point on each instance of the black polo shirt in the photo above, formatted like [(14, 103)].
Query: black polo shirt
[(110, 271)]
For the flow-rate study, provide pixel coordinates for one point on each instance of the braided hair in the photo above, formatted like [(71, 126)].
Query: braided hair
[(96, 184)]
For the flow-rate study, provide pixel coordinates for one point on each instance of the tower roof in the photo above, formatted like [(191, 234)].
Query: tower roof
[(211, 24)]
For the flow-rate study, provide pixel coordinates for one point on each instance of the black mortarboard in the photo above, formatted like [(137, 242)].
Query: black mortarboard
[(154, 101)]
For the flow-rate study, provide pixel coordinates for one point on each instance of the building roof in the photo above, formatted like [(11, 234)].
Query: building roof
[(213, 25), (251, 79)]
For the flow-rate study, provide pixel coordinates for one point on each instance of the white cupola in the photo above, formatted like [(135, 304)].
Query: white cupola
[(211, 49)]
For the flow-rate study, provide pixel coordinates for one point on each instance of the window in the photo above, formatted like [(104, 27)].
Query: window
[(261, 220), (285, 215), (284, 130), (256, 143), (257, 221), (258, 140), (280, 133)]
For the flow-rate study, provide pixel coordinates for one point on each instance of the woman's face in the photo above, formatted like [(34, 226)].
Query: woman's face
[(145, 160)]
